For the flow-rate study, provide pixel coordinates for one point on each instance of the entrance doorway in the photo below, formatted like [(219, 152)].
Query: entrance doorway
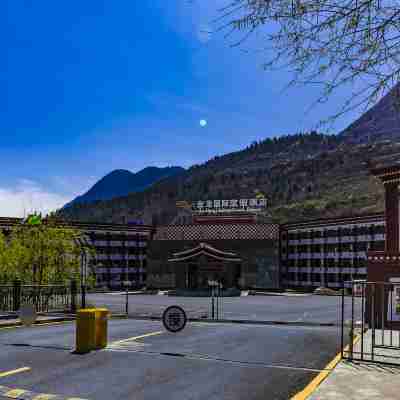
[(192, 278)]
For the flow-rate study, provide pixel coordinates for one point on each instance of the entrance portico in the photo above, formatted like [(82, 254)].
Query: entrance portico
[(196, 267)]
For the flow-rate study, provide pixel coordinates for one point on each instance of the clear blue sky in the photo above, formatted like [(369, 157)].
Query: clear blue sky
[(90, 86)]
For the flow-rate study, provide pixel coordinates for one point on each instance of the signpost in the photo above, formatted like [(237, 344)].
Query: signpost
[(174, 319), (27, 314)]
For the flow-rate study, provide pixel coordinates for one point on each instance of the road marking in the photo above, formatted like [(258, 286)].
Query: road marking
[(136, 337), (14, 371), (13, 393), (44, 396), (313, 385)]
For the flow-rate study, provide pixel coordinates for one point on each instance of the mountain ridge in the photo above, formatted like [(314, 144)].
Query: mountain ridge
[(121, 182), (305, 175)]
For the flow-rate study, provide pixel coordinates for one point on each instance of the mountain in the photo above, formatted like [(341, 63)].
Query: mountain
[(121, 182), (380, 122), (305, 176)]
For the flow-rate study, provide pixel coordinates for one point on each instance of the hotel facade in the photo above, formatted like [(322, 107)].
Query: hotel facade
[(120, 251), (326, 252), (239, 249)]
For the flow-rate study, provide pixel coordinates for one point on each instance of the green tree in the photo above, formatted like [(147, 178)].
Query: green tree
[(41, 253)]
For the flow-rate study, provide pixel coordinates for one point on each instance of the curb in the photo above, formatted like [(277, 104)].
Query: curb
[(316, 382), (39, 322)]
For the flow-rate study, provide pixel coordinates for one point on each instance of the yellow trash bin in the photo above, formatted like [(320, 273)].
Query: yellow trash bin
[(85, 330), (101, 328)]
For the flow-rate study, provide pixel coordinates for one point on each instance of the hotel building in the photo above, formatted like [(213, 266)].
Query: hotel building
[(326, 252), (120, 251)]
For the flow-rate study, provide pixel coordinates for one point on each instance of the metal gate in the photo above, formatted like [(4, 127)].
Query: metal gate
[(216, 289), (374, 330)]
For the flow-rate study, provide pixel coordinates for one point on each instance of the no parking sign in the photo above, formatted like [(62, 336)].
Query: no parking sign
[(174, 319)]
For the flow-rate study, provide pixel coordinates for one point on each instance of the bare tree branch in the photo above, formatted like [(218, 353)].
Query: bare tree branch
[(352, 43)]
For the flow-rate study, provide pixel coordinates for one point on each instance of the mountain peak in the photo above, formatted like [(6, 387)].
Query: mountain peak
[(121, 182)]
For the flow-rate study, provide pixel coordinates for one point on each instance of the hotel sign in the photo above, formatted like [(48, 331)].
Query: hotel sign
[(221, 206)]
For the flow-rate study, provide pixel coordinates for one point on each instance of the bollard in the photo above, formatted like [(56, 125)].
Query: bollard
[(85, 331), (101, 328)]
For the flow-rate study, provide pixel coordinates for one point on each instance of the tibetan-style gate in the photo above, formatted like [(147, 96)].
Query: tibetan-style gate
[(195, 268)]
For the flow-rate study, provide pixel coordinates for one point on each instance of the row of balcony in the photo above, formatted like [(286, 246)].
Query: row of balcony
[(317, 283), (118, 270), (343, 239), (120, 257), (335, 255), (117, 243), (329, 270)]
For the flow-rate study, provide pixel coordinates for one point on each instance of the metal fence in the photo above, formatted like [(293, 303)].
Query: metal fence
[(374, 332), (45, 298)]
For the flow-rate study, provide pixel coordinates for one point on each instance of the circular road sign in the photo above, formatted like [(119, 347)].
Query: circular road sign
[(27, 314), (174, 318)]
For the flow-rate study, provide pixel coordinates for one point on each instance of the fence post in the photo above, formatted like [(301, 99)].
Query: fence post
[(74, 293), (16, 295)]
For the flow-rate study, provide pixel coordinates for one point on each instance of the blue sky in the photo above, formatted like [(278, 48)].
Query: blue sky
[(90, 86)]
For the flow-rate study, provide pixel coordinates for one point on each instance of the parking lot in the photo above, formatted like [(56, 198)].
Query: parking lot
[(292, 308), (143, 361)]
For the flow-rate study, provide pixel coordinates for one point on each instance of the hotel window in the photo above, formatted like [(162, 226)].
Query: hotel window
[(315, 248), (316, 263), (317, 234), (346, 232)]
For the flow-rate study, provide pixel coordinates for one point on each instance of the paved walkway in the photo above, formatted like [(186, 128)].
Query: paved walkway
[(351, 381), (365, 380)]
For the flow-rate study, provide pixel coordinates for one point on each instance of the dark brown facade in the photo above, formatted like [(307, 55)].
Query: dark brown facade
[(241, 256), (384, 266)]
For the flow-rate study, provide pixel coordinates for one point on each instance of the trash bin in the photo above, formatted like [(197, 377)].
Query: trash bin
[(85, 330), (101, 328)]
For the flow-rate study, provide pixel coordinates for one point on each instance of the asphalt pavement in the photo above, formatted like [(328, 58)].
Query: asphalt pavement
[(305, 308), (143, 361)]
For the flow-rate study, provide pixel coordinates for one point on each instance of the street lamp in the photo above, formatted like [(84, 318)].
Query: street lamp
[(83, 242)]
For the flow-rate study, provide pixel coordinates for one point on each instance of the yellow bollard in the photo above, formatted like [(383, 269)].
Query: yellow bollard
[(101, 328), (85, 330)]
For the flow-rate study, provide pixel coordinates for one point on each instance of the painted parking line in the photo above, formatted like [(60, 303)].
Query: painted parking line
[(131, 339), (14, 371), (22, 394)]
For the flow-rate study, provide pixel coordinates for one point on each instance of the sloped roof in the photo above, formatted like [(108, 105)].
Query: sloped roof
[(204, 249)]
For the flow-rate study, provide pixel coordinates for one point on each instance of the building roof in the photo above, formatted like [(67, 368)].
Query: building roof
[(358, 219), (388, 173), (207, 250)]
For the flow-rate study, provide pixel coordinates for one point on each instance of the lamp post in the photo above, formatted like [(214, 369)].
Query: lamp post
[(83, 242)]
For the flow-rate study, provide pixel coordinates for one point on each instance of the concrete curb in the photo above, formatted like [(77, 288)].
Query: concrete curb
[(39, 322), (316, 382)]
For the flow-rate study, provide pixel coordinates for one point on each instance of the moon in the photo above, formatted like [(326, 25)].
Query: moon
[(203, 123)]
